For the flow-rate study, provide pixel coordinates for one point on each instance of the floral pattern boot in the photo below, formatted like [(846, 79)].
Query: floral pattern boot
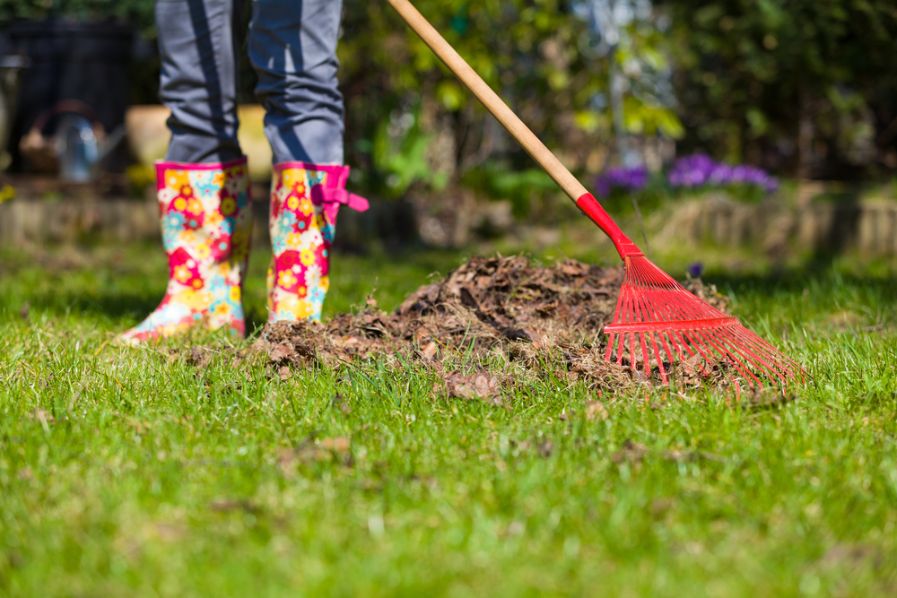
[(305, 200), (206, 227)]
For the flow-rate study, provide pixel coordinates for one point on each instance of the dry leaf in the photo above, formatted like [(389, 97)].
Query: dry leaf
[(476, 386), (339, 444), (631, 452), (595, 410)]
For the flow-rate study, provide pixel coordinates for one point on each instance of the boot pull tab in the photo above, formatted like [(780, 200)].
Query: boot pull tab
[(340, 196)]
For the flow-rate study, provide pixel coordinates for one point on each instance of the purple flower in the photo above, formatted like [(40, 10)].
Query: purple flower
[(721, 174), (691, 171), (619, 177), (699, 169)]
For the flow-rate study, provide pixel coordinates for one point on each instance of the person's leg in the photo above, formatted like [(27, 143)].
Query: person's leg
[(197, 46), (203, 184), (292, 46)]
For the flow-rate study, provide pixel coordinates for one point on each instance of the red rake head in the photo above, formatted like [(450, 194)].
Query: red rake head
[(657, 322)]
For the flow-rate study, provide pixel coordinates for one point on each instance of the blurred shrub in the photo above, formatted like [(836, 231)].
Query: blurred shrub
[(137, 12), (528, 50), (523, 188), (398, 156), (140, 178), (805, 86)]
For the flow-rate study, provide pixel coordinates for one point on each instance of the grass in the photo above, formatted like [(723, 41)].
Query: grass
[(137, 472)]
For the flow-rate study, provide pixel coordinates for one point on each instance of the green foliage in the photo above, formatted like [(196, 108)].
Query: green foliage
[(804, 84), (398, 157), (534, 62), (522, 188), (642, 58), (742, 193), (137, 12), (623, 203), (544, 62)]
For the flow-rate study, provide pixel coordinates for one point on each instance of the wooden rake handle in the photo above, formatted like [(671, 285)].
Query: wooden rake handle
[(516, 127)]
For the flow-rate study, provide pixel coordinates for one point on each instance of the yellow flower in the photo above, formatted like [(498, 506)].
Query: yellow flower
[(214, 218), (194, 206), (301, 291), (294, 240), (291, 176), (197, 283), (195, 299), (287, 302), (305, 206), (293, 202), (218, 179), (286, 279), (203, 251), (180, 204), (325, 283), (307, 257), (175, 179), (303, 309), (182, 274), (235, 294), (222, 309), (187, 190)]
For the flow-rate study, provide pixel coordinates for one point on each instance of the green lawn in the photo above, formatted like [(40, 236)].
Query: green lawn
[(139, 472)]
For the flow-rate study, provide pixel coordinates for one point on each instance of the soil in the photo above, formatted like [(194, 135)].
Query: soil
[(534, 321)]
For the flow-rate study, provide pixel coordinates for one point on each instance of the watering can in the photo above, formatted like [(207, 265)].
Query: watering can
[(74, 147)]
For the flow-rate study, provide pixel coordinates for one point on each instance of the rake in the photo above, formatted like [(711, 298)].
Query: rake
[(657, 322)]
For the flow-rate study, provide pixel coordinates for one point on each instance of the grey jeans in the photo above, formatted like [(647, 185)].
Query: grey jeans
[(292, 48)]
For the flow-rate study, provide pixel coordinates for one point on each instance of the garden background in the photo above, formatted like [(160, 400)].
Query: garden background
[(751, 143)]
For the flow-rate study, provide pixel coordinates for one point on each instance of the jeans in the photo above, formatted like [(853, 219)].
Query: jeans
[(292, 48)]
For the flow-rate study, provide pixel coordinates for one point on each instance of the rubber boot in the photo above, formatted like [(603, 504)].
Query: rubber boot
[(305, 201), (206, 228)]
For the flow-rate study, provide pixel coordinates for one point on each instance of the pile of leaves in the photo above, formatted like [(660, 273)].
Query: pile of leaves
[(530, 320)]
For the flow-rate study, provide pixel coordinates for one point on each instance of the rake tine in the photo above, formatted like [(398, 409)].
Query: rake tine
[(666, 347), (645, 359), (663, 372), (697, 347), (678, 342), (741, 367), (651, 310), (762, 348), (611, 339)]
